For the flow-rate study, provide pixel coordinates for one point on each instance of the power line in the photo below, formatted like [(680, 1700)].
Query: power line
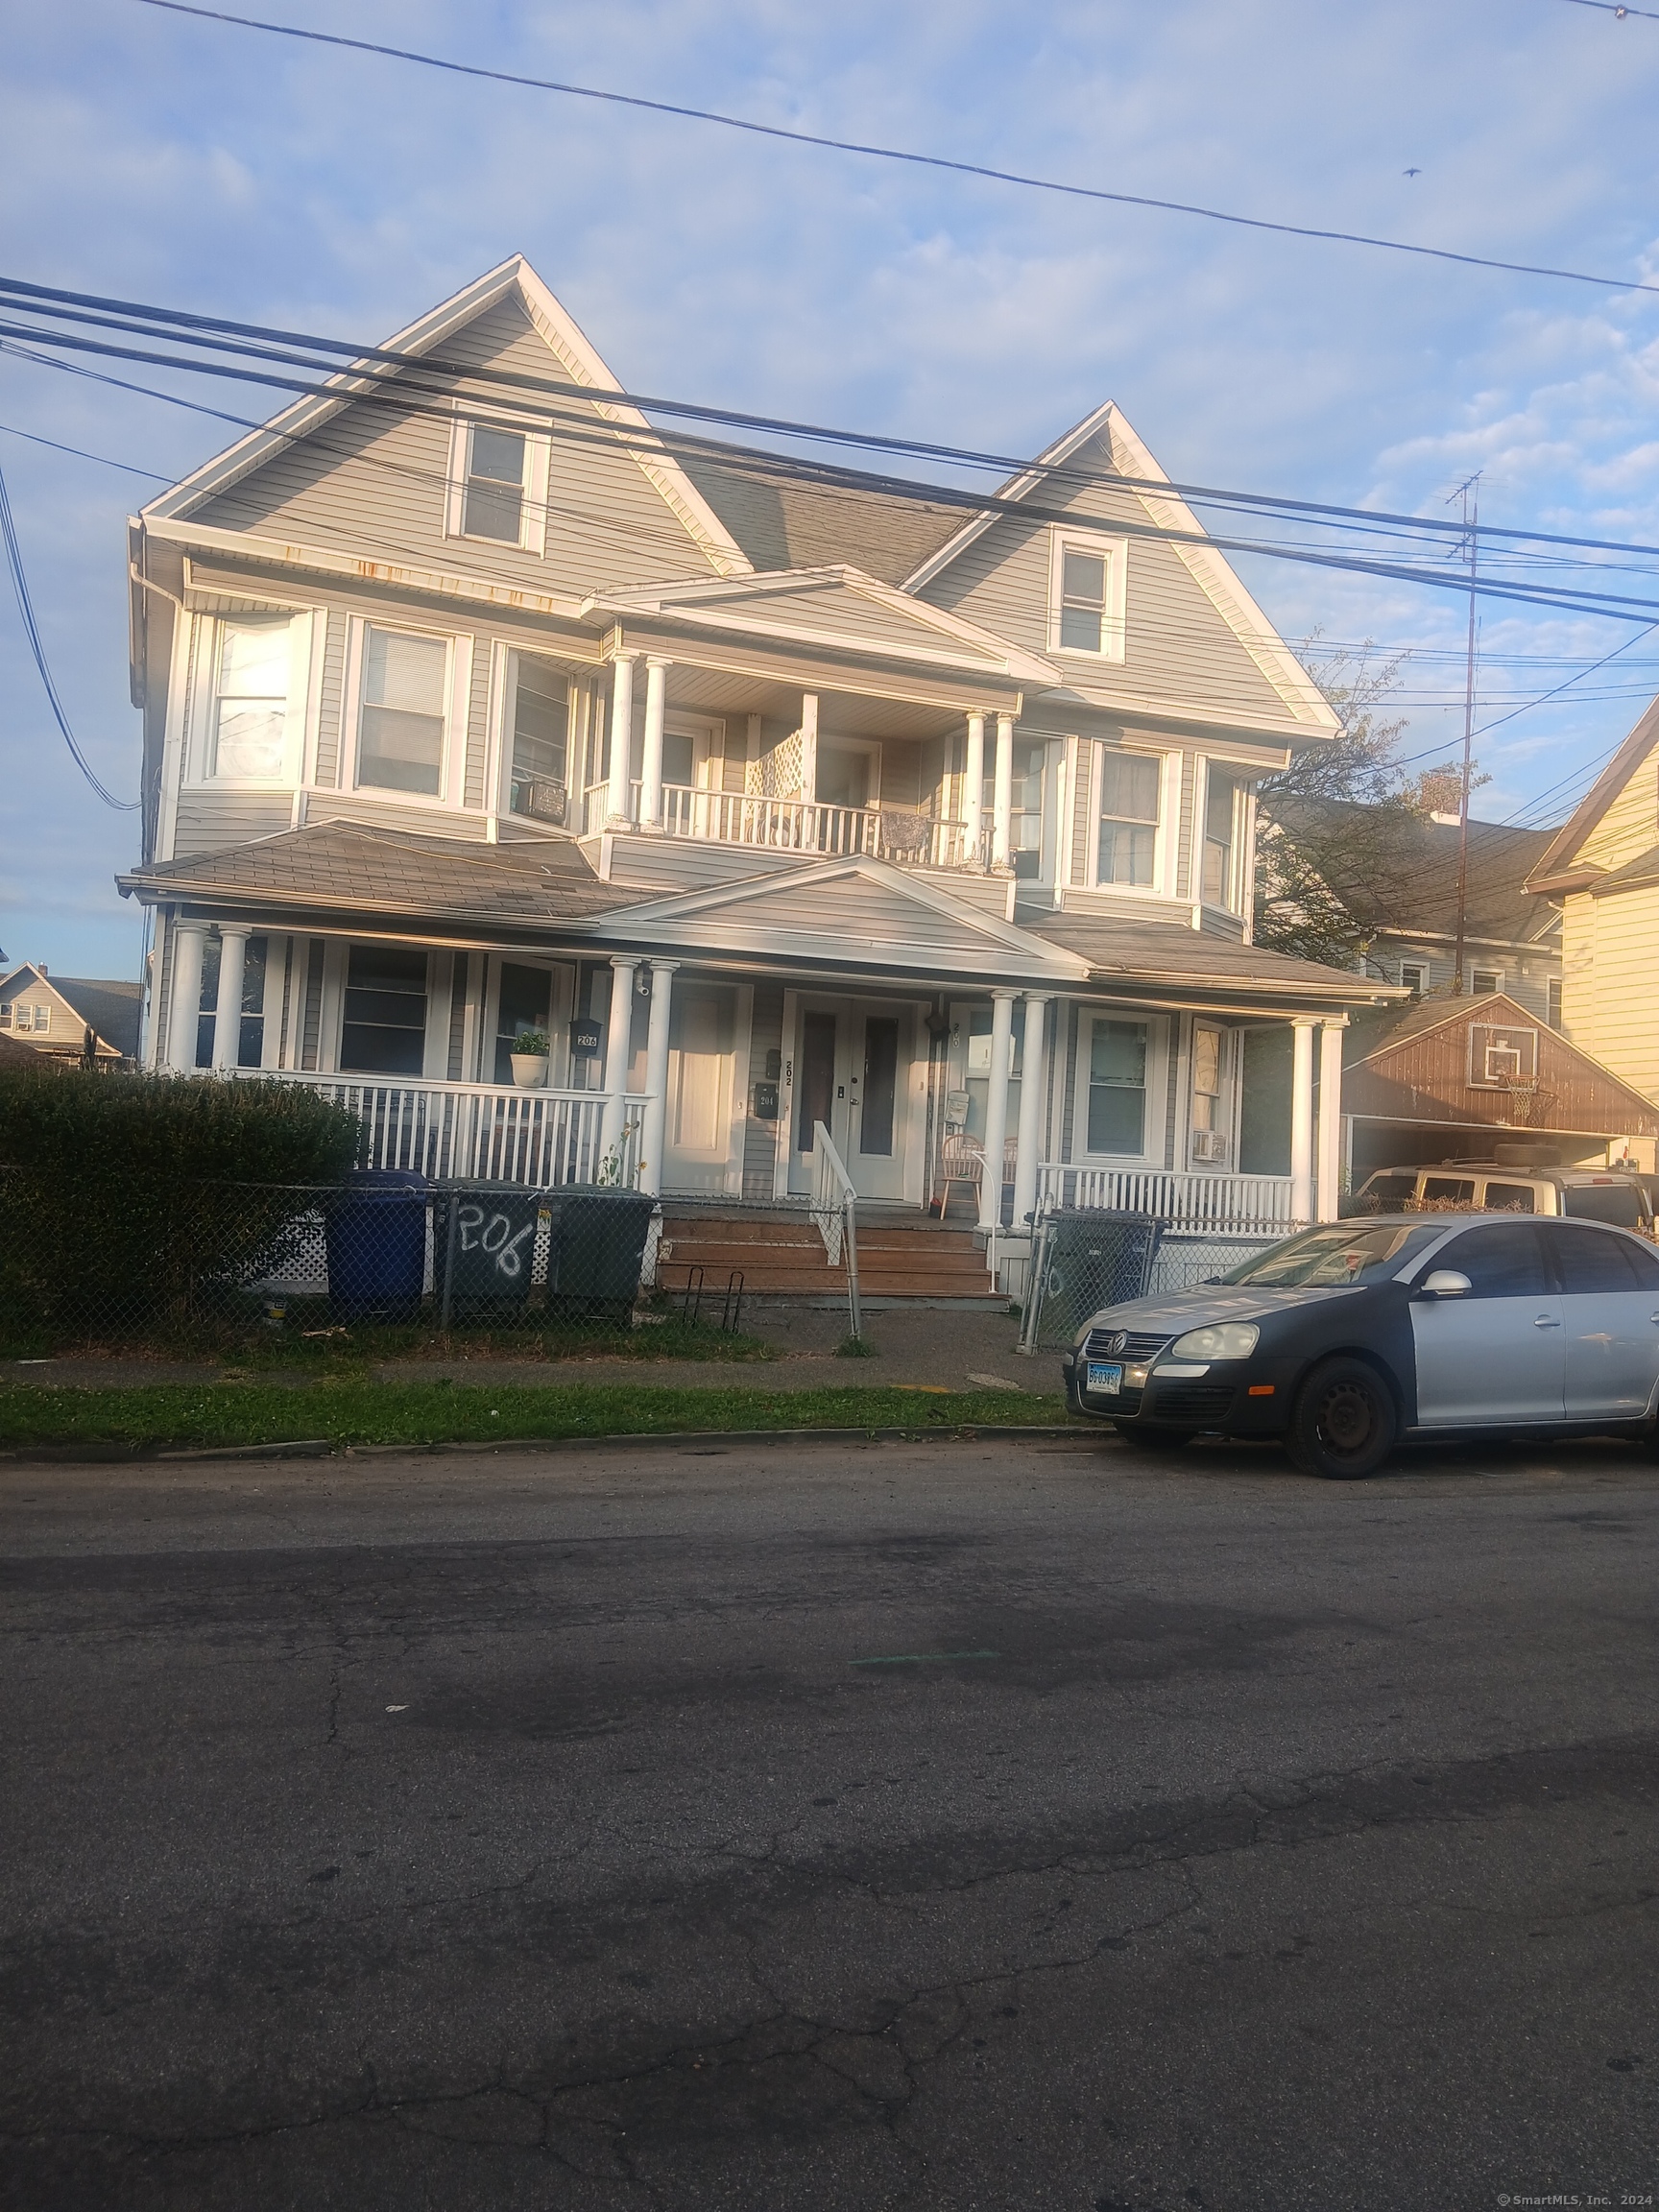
[(35, 439), (180, 326), (31, 631), (382, 393), (897, 154), (1616, 8)]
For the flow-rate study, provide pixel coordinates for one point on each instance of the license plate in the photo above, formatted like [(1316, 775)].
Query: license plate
[(1105, 1376)]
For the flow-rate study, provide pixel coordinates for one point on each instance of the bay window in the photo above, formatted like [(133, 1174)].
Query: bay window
[(1217, 871)]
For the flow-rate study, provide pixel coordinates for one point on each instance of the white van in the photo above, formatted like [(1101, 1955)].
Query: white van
[(1483, 1187)]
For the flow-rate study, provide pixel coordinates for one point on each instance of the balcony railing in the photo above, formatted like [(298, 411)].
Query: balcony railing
[(906, 835), (1233, 1205), (479, 1132)]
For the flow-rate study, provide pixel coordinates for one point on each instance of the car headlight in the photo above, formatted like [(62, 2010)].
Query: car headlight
[(1225, 1340)]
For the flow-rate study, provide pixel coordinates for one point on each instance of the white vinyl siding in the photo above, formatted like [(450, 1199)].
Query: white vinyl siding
[(378, 491)]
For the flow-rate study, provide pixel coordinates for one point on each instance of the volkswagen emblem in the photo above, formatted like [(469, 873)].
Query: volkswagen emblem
[(1118, 1341)]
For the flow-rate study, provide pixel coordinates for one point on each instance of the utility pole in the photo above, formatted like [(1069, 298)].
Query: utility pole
[(1469, 493)]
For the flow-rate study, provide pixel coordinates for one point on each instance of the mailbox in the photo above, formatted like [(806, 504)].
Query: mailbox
[(586, 1042), (765, 1101)]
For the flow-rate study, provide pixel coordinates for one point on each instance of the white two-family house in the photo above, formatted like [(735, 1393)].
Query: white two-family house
[(475, 703)]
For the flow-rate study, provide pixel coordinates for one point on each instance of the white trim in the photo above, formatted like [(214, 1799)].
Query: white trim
[(1167, 837), (701, 602), (457, 691), (1154, 1132), (784, 1145), (1114, 606), (533, 477), (503, 689), (1307, 708), (568, 343)]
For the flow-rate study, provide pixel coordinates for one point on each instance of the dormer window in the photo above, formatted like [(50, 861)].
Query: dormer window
[(498, 485), (1087, 596)]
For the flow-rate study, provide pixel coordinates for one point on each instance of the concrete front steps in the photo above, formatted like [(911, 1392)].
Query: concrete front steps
[(901, 1262)]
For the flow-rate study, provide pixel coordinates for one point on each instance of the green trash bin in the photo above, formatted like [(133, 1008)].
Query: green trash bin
[(599, 1247)]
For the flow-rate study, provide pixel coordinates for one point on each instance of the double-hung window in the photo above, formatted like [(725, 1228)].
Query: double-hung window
[(1131, 793), (383, 1025), (1086, 595), (254, 672), (1118, 1057), (400, 728), (498, 484)]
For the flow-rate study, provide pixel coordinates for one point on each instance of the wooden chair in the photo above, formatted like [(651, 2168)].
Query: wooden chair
[(961, 1160)]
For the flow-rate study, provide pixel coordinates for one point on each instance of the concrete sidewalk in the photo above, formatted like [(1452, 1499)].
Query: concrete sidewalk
[(920, 1346)]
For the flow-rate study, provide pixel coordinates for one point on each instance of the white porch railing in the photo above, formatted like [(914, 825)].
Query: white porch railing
[(477, 1132), (835, 1215), (1239, 1204), (909, 836)]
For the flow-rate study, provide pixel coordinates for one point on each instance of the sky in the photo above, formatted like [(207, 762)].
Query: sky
[(188, 163)]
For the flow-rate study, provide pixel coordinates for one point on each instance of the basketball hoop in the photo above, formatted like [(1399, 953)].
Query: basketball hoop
[(1528, 1102)]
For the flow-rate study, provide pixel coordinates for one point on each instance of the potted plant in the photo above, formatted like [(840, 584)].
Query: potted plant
[(529, 1057)]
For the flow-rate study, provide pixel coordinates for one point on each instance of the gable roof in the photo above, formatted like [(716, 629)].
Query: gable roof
[(1208, 566), (110, 1009), (571, 348), (1403, 1064), (1406, 881), (898, 919), (838, 606), (1556, 868)]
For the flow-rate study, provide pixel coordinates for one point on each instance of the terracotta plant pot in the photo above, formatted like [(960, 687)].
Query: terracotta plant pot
[(530, 1070)]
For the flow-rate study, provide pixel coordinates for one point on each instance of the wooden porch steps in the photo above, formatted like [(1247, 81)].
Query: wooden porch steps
[(785, 1258)]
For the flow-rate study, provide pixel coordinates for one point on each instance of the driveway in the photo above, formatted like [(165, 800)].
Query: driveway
[(925, 1827)]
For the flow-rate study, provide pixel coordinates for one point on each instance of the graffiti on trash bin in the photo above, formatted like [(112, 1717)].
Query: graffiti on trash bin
[(495, 1235)]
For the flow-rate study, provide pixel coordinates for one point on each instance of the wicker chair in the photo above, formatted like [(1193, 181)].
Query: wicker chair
[(962, 1159)]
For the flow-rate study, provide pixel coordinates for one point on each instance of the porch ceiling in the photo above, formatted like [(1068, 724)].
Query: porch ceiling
[(715, 691)]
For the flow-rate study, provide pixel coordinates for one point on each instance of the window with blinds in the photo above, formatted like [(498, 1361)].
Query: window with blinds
[(400, 731)]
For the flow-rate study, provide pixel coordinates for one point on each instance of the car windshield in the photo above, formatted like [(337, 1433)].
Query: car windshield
[(1345, 1252)]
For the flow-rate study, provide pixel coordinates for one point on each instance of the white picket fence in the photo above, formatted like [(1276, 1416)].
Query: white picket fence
[(1239, 1205)]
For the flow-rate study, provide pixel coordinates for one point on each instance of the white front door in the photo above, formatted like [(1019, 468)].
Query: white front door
[(698, 1126), (852, 1072)]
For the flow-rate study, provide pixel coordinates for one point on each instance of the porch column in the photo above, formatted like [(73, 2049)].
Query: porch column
[(996, 1107), (1003, 800), (618, 1041), (621, 735), (973, 793), (1328, 1149), (810, 746), (1033, 1087), (184, 1005), (656, 1129), (1302, 1122), (651, 763), (228, 1014)]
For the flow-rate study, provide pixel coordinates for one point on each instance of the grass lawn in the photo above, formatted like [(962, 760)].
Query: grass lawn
[(357, 1411)]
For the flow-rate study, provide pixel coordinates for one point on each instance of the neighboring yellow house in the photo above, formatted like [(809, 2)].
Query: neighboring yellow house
[(1604, 867)]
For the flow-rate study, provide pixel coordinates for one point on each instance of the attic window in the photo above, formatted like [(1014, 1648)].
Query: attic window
[(1086, 595), (494, 504), (498, 485)]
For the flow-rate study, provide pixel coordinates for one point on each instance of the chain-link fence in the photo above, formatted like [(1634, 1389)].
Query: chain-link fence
[(1087, 1258), (206, 1263)]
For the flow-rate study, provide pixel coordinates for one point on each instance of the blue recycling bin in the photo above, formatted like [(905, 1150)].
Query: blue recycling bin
[(374, 1229)]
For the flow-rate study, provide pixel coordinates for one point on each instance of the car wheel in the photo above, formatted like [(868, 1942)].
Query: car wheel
[(1342, 1426), (1154, 1439)]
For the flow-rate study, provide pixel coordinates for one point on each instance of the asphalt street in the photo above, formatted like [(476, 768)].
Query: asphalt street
[(769, 1827)]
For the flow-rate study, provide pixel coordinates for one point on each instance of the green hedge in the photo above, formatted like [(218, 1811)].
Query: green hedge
[(128, 1200)]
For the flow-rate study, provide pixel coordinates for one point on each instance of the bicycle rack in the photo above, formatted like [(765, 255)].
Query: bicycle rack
[(691, 1310), (732, 1306)]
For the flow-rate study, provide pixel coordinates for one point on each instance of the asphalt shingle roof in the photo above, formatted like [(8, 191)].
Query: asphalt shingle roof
[(380, 871), (1415, 887), (1150, 950)]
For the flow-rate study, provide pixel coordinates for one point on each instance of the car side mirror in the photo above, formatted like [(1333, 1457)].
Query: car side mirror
[(1445, 1282)]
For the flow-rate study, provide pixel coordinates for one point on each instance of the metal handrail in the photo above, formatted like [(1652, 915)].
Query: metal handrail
[(835, 1215)]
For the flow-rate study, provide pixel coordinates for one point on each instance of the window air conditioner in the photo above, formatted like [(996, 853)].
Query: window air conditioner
[(1209, 1144)]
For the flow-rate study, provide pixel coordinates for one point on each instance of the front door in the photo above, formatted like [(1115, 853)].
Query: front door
[(1496, 1354), (852, 1073)]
